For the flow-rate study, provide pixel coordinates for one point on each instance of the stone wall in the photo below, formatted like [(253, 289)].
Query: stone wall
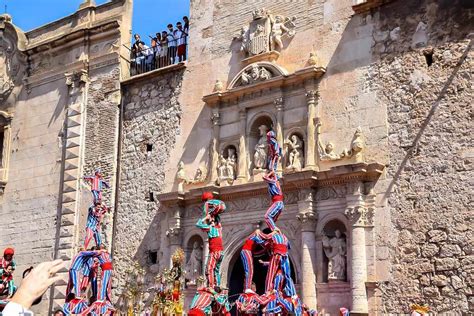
[(30, 201), (430, 139), (150, 124), (101, 135)]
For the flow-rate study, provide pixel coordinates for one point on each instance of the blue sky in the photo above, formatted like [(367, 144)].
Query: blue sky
[(149, 16)]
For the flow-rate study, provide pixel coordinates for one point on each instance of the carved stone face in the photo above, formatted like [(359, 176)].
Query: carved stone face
[(196, 245), (338, 233), (254, 72), (329, 148), (278, 19), (294, 138), (263, 130)]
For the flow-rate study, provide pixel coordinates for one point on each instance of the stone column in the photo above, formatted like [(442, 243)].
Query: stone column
[(243, 172), (279, 104), (215, 119), (310, 163), (360, 217), (308, 219)]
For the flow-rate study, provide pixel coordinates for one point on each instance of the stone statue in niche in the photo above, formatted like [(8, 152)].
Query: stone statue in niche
[(327, 153), (295, 153), (227, 167), (194, 264), (335, 250), (265, 32), (231, 163), (255, 74), (260, 156)]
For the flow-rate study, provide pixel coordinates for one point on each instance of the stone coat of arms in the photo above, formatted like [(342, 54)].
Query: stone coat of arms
[(265, 32)]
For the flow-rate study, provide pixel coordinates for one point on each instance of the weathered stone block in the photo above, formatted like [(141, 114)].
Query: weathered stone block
[(446, 264), (449, 250), (431, 291), (440, 280), (437, 235), (429, 250), (457, 282)]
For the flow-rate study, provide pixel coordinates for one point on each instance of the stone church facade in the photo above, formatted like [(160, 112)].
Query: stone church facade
[(372, 101)]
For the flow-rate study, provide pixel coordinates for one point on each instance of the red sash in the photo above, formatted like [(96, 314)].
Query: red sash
[(248, 245), (280, 249), (215, 244), (277, 198), (107, 266)]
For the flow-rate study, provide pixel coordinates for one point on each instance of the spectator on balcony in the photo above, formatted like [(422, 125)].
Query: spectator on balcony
[(138, 40), (156, 47), (172, 44), (180, 36), (164, 61), (144, 58), (186, 24)]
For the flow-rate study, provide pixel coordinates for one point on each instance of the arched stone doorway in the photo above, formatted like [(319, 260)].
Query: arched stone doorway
[(236, 276)]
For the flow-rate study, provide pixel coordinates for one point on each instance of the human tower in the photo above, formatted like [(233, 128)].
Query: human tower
[(280, 297), (91, 269)]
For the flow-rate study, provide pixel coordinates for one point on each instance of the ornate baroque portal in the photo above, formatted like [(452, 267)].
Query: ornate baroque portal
[(329, 198)]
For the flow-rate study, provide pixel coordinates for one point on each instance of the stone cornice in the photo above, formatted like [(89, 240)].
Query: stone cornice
[(60, 40), (291, 182), (277, 82)]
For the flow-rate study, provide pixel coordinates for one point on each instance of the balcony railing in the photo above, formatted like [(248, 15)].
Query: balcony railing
[(158, 56)]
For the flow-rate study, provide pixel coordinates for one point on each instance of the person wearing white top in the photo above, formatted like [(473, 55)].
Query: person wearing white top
[(33, 286), (180, 36), (172, 45)]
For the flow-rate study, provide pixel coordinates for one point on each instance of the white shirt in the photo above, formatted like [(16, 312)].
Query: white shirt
[(180, 37), (15, 309), (171, 40)]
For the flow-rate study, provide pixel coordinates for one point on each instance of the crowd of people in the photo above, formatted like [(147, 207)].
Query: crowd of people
[(166, 48)]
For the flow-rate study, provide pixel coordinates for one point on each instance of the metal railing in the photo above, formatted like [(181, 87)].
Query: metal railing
[(158, 56)]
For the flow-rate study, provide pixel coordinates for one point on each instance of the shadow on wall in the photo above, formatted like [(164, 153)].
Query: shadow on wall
[(354, 48), (197, 143)]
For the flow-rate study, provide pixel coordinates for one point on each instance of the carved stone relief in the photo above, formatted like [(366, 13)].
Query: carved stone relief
[(326, 193), (255, 74), (12, 59), (295, 155), (199, 177), (326, 152), (265, 32), (360, 215)]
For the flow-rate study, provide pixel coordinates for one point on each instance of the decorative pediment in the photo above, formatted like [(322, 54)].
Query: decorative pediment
[(255, 73)]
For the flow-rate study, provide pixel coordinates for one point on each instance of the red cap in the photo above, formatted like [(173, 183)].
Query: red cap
[(207, 196), (9, 251)]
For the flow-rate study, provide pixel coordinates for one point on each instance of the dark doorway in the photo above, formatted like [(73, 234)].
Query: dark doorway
[(236, 280)]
